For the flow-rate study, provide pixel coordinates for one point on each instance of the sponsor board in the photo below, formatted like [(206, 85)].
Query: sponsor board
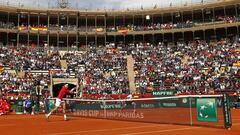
[(111, 106), (109, 114), (163, 93), (207, 110), (143, 105), (169, 104)]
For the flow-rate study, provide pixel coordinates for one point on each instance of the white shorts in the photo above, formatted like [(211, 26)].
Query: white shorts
[(58, 102)]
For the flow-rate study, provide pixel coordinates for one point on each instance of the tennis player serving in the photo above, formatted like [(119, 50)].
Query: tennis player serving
[(59, 100)]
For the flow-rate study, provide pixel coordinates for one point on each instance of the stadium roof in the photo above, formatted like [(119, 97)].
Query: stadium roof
[(103, 4)]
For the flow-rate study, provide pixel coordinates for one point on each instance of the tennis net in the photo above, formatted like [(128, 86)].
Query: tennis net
[(203, 110)]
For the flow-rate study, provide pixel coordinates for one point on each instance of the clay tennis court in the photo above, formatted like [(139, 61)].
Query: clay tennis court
[(37, 125)]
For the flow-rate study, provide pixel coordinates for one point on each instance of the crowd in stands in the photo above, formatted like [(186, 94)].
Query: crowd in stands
[(129, 27), (102, 70), (152, 26), (12, 83), (228, 19), (171, 25), (193, 68), (16, 65), (24, 58)]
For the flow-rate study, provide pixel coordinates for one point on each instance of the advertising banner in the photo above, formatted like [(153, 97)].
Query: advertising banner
[(207, 110)]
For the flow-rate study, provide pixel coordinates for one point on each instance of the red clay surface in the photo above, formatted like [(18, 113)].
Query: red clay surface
[(37, 125)]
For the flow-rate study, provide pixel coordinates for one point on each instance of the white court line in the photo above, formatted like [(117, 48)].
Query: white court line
[(101, 130), (236, 124), (6, 125), (17, 118), (235, 119), (162, 131)]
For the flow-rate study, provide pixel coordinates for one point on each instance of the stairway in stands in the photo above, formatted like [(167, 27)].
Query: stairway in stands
[(186, 59), (131, 73), (21, 74), (63, 64)]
